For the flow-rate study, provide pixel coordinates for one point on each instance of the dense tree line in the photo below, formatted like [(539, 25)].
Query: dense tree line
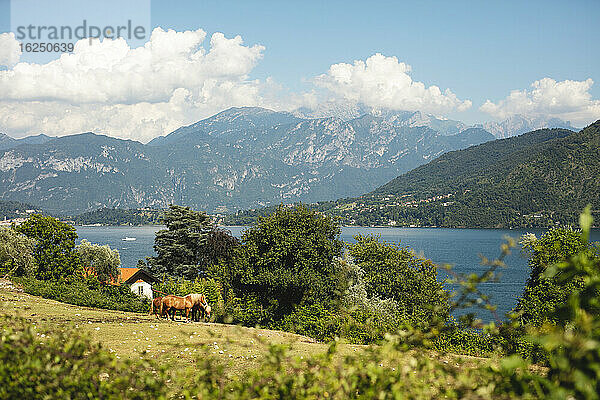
[(42, 256), (14, 209), (117, 216), (290, 271)]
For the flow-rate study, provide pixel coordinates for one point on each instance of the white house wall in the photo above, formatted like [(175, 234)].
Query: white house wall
[(146, 289)]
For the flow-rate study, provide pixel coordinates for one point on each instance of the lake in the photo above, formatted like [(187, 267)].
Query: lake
[(459, 247)]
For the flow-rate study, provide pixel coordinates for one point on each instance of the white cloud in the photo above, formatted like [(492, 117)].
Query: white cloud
[(138, 93), (567, 100), (109, 71), (175, 79), (384, 82), (10, 50)]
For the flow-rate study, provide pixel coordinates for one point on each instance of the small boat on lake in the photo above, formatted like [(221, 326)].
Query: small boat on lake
[(128, 239)]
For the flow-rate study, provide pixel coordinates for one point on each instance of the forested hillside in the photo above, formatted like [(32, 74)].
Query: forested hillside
[(541, 178), (117, 216), (14, 209)]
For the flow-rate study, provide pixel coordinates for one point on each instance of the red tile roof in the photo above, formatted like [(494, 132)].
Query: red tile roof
[(126, 273)]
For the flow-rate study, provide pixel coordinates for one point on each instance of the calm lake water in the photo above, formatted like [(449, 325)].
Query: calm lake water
[(460, 247)]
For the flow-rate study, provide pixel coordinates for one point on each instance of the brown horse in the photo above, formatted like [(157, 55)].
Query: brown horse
[(199, 303), (155, 307), (170, 304)]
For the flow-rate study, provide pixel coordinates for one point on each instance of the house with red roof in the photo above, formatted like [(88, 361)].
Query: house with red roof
[(140, 280)]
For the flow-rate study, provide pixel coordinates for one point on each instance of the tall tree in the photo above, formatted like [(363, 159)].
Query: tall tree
[(180, 248), (286, 259), (101, 261), (54, 250), (16, 253)]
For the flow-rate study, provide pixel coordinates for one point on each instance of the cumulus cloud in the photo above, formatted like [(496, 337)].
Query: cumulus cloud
[(138, 93), (384, 82), (177, 78), (10, 50), (567, 100)]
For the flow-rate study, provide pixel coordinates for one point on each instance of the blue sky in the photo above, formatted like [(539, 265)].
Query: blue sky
[(479, 50)]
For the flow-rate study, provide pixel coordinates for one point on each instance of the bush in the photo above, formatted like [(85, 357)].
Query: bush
[(543, 295), (66, 365), (397, 279), (315, 321), (570, 334), (285, 260), (462, 340), (87, 293)]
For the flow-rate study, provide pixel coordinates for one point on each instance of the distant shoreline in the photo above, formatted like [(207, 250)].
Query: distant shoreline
[(124, 226), (343, 226)]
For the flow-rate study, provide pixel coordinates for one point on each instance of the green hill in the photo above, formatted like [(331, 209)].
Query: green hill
[(538, 179), (117, 216), (15, 209)]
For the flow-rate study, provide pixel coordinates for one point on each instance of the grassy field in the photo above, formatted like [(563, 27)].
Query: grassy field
[(130, 335)]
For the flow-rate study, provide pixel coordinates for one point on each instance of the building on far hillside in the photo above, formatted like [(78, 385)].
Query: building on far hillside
[(141, 281), (8, 222)]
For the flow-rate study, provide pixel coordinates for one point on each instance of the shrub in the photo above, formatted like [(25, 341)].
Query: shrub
[(463, 340), (395, 273), (285, 260), (314, 320), (542, 295), (88, 293), (570, 333), (66, 365)]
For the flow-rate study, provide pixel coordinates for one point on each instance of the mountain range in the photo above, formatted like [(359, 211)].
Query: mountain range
[(537, 179), (514, 125), (240, 158), (518, 124), (7, 142)]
